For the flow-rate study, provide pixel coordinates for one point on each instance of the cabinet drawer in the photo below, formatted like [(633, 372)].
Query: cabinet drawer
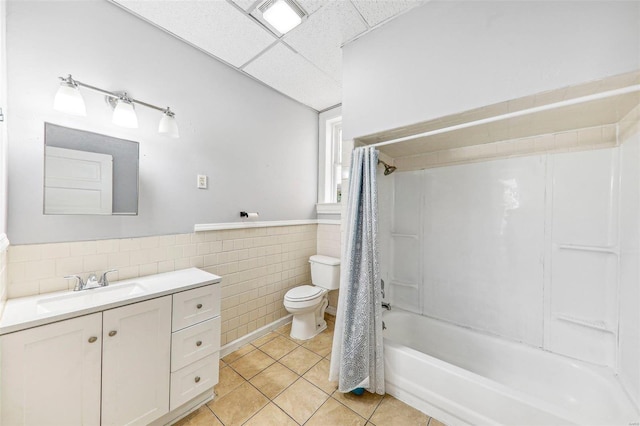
[(193, 343), (194, 306), (194, 379)]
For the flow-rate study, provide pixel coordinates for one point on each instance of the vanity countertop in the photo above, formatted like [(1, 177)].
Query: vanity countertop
[(26, 312)]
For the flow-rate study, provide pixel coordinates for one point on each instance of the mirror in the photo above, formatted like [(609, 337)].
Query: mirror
[(89, 173)]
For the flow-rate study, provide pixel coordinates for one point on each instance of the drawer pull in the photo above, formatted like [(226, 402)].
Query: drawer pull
[(199, 343), (199, 305), (92, 339), (112, 333), (197, 379)]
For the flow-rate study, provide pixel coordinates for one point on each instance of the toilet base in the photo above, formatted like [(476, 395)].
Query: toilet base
[(308, 325)]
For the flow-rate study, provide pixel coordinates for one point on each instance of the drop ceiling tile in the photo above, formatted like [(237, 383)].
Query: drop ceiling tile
[(311, 6), (320, 37), (293, 75), (214, 26), (245, 4), (377, 11)]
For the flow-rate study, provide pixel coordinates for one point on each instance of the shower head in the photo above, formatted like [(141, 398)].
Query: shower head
[(387, 168)]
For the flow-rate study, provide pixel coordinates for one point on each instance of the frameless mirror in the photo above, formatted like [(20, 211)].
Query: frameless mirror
[(89, 173)]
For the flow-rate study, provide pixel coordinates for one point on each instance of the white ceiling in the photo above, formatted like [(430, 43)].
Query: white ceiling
[(304, 64)]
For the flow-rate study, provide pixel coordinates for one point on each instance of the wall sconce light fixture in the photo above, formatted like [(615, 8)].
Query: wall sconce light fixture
[(69, 99)]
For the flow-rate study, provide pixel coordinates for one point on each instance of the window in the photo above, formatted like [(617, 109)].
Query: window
[(330, 158)]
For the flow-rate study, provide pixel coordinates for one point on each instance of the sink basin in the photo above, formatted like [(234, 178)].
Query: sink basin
[(75, 300)]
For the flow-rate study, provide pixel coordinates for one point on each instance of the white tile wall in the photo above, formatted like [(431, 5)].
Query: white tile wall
[(257, 266)]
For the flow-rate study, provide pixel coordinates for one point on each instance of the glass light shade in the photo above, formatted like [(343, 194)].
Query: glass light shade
[(124, 115), (282, 17), (168, 126), (69, 99)]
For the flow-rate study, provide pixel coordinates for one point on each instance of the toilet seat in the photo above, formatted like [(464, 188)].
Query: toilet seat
[(303, 293)]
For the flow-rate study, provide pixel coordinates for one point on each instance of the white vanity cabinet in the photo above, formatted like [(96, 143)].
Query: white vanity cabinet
[(127, 364), (135, 362), (51, 374)]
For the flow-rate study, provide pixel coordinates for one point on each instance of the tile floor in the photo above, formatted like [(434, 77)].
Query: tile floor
[(280, 381)]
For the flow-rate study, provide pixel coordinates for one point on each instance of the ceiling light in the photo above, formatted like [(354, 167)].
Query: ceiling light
[(123, 114), (168, 124), (283, 15), (68, 98)]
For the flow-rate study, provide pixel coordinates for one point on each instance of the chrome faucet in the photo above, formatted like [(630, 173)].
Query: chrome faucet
[(92, 281), (386, 305)]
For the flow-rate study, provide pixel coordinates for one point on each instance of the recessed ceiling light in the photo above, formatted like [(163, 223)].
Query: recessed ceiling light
[(283, 15)]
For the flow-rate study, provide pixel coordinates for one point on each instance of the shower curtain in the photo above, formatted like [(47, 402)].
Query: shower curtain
[(357, 359)]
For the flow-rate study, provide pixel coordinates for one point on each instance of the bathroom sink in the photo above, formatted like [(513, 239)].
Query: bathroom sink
[(75, 300)]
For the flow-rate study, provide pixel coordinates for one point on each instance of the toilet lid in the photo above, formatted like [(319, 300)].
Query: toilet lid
[(302, 293)]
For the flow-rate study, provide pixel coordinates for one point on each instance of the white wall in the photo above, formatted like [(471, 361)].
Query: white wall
[(450, 56), (258, 147)]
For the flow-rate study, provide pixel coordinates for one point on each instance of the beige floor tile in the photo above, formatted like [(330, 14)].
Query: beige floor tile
[(228, 381), (237, 354), (271, 415), (264, 339), (278, 347), (221, 364), (434, 422), (394, 412), (334, 413), (285, 329), (201, 417), (239, 405), (274, 379), (319, 376), (301, 400), (252, 363), (321, 344), (300, 360), (364, 404)]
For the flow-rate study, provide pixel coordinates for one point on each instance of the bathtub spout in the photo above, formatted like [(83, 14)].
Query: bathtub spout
[(386, 305)]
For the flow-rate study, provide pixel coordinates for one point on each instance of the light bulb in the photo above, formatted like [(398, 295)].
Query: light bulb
[(168, 125), (124, 115), (69, 99)]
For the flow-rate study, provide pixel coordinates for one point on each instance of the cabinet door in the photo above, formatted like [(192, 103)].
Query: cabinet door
[(51, 374), (136, 362)]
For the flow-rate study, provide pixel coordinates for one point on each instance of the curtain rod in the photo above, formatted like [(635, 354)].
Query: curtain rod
[(569, 102)]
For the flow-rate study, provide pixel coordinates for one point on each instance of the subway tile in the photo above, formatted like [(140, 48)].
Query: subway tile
[(25, 253), (118, 260), (83, 248), (148, 269), (107, 246), (95, 263), (129, 272), (52, 284), (166, 266), (55, 251), (39, 269), (22, 289)]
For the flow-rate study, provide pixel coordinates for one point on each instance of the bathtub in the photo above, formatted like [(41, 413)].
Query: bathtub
[(461, 377)]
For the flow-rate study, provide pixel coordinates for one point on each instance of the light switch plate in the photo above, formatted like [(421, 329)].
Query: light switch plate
[(202, 181)]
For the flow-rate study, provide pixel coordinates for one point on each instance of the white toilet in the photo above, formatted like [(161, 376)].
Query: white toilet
[(307, 303)]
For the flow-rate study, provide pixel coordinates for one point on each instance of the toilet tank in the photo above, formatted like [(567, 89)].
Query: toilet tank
[(325, 271)]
